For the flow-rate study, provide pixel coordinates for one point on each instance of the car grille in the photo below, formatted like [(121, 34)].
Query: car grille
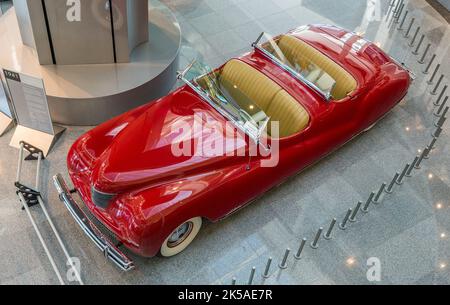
[(101, 200), (103, 229)]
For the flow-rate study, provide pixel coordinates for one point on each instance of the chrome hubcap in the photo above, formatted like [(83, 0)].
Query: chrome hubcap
[(180, 234)]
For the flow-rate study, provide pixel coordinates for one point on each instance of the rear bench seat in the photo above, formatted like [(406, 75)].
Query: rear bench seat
[(269, 96), (299, 52)]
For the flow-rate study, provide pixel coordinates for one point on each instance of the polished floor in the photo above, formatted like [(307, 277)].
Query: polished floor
[(409, 233)]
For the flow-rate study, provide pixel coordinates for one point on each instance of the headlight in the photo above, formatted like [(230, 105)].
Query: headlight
[(100, 199)]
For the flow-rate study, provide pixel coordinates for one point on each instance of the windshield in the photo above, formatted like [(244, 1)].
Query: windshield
[(227, 99), (287, 52)]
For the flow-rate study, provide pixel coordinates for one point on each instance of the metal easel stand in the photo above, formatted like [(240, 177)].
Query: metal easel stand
[(30, 197)]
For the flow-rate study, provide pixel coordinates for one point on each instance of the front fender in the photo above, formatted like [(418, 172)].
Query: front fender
[(151, 214)]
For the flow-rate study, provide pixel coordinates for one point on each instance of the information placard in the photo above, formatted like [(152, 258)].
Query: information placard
[(30, 108), (29, 101)]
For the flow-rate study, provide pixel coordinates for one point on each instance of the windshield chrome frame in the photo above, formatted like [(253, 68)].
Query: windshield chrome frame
[(327, 96), (181, 76)]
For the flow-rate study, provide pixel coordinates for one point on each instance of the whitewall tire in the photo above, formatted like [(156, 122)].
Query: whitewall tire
[(181, 237)]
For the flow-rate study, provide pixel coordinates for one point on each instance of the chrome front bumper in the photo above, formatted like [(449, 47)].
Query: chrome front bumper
[(107, 247)]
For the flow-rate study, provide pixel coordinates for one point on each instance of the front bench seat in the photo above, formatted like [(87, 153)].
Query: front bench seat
[(300, 53), (278, 104), (252, 83)]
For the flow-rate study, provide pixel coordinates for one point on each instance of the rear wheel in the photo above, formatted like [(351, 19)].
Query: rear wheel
[(181, 237)]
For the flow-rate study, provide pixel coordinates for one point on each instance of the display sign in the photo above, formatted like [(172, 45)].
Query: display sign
[(30, 107), (29, 101)]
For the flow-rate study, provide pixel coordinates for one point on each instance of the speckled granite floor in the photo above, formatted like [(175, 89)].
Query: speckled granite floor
[(409, 233)]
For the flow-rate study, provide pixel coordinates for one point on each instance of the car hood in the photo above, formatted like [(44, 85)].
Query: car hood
[(175, 137)]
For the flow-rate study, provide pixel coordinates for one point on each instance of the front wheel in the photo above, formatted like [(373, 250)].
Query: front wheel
[(181, 238)]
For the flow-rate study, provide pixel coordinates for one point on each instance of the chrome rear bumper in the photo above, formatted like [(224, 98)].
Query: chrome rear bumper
[(107, 247)]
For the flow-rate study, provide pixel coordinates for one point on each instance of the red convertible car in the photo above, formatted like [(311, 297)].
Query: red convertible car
[(296, 98)]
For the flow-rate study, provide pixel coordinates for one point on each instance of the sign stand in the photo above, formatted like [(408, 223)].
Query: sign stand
[(29, 102), (6, 123), (36, 138)]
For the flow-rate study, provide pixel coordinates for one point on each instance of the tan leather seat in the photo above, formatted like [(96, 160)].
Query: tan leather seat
[(255, 85), (285, 109), (300, 53), (269, 96)]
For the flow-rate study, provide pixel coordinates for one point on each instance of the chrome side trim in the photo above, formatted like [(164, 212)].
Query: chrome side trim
[(107, 247)]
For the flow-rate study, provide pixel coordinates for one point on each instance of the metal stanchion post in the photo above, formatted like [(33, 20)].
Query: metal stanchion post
[(411, 167), (377, 198), (390, 189), (425, 53), (397, 6), (399, 13), (355, 212), (403, 21), (437, 133), (343, 224), (422, 156), (427, 69), (427, 153), (438, 101), (403, 174), (439, 111), (283, 263), (369, 201), (409, 28), (315, 243), (327, 235), (298, 255), (416, 51), (434, 74), (390, 10), (252, 276), (432, 144), (266, 274), (442, 121), (414, 37), (438, 84)]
